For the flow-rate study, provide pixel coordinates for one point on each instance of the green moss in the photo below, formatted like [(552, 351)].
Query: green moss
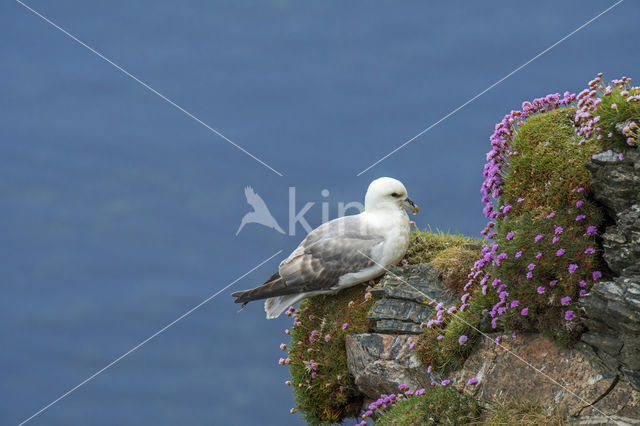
[(324, 390), (426, 245), (438, 405)]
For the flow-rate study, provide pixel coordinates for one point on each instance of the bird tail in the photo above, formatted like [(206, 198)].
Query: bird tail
[(274, 306), (274, 286)]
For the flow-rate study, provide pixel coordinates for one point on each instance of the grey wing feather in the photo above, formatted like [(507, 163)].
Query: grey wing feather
[(339, 247)]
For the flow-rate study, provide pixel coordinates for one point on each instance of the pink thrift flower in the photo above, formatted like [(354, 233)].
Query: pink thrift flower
[(592, 230), (579, 203), (440, 337), (514, 303), (582, 283), (596, 275), (524, 312), (538, 256), (558, 230), (583, 292), (494, 323), (510, 236), (572, 268), (537, 238), (463, 339), (529, 275), (555, 240), (569, 315), (446, 382), (345, 325), (551, 215), (472, 381), (560, 252), (589, 250), (540, 290), (565, 300), (531, 266), (520, 199), (497, 339), (580, 217), (580, 189), (518, 254)]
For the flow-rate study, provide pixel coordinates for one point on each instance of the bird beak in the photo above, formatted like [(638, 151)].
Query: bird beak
[(410, 205)]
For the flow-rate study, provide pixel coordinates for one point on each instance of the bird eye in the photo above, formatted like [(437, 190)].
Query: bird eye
[(395, 195)]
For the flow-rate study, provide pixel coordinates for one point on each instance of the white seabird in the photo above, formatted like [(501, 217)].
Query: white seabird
[(343, 252)]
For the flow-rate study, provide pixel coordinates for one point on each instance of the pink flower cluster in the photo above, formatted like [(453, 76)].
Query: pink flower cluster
[(385, 402)]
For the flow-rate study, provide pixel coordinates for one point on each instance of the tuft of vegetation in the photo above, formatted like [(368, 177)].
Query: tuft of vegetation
[(454, 264), (523, 412), (438, 405), (426, 245), (547, 231), (324, 390)]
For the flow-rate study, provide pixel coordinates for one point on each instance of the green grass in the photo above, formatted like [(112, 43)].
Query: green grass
[(438, 405), (520, 413), (426, 245)]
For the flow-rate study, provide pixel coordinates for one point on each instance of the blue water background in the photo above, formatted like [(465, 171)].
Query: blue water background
[(118, 212)]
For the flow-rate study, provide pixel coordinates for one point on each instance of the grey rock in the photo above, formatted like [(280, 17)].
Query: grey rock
[(615, 182), (612, 308), (606, 343), (501, 376), (621, 243), (402, 298), (630, 353), (397, 327), (606, 157), (381, 362), (632, 377)]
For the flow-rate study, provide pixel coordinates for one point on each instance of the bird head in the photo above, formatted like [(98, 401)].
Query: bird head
[(387, 193)]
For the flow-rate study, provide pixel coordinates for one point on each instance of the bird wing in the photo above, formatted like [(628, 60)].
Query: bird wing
[(254, 200), (337, 248)]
